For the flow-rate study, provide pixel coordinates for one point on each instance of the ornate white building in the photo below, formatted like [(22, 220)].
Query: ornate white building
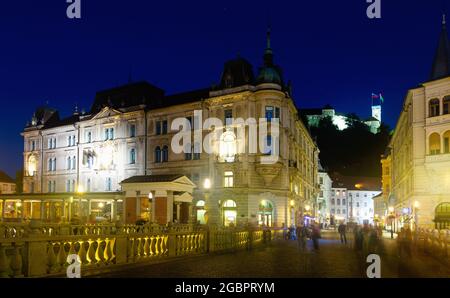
[(123, 144), (420, 149)]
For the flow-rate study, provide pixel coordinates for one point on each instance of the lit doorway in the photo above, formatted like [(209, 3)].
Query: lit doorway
[(265, 213), (229, 211)]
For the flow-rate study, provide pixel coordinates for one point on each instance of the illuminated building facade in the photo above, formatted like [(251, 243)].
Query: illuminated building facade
[(420, 149), (127, 136)]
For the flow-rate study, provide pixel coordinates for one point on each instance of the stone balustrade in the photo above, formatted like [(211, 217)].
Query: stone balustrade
[(38, 250)]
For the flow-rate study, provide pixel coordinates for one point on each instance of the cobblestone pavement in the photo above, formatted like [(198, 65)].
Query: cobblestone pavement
[(284, 259)]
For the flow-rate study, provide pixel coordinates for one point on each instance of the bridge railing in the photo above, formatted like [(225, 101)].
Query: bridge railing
[(42, 250)]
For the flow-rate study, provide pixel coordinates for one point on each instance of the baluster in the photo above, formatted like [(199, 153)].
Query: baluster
[(52, 263), (151, 248), (90, 255), (99, 252), (112, 246), (131, 250), (107, 252), (62, 257), (4, 264), (82, 252), (157, 245), (146, 247), (164, 247)]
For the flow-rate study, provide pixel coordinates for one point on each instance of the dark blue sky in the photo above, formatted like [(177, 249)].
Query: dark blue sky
[(329, 49)]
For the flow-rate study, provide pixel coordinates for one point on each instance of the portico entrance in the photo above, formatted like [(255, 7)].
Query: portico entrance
[(158, 199)]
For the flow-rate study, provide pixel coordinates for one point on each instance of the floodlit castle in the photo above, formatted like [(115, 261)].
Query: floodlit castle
[(340, 120), (116, 162)]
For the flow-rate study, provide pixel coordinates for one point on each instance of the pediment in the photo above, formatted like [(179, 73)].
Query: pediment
[(107, 112)]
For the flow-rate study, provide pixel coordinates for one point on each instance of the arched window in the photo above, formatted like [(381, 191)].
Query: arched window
[(332, 201), (227, 149), (435, 144), (446, 105), (442, 216), (433, 107), (447, 142), (165, 154), (229, 213), (157, 154), (197, 151), (69, 162)]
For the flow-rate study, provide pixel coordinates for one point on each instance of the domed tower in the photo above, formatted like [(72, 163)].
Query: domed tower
[(236, 73), (269, 73)]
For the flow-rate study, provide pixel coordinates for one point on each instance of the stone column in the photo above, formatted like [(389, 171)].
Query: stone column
[(138, 206), (178, 206), (170, 202)]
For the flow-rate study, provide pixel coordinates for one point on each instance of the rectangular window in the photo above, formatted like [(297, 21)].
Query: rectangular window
[(158, 127), (228, 116), (277, 113), (269, 113), (133, 156), (164, 127), (111, 133), (108, 184), (132, 130), (89, 137), (228, 179)]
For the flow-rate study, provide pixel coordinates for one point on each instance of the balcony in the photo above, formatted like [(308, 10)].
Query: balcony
[(438, 120), (437, 158)]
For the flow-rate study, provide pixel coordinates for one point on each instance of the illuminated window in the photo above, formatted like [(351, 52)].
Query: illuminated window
[(434, 107), (228, 180), (227, 149), (265, 213), (447, 142), (229, 213), (200, 206), (32, 165), (435, 144)]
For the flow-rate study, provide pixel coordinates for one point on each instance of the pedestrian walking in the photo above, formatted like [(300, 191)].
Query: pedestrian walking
[(302, 235), (315, 236), (342, 232), (407, 241)]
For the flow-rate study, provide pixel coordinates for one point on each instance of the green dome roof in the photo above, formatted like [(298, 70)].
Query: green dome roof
[(269, 75)]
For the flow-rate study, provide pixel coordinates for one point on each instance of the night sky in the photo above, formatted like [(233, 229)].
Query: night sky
[(329, 49)]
